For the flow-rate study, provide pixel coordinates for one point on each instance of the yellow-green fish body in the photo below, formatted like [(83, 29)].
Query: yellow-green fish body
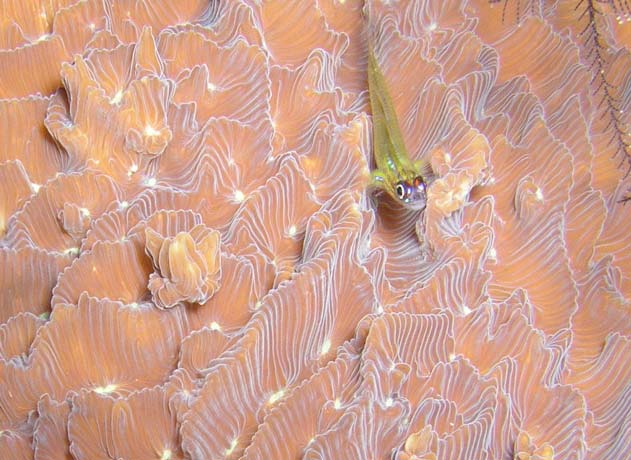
[(404, 180)]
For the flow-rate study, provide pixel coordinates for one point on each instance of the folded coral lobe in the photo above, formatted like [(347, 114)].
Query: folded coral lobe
[(187, 266), (191, 266)]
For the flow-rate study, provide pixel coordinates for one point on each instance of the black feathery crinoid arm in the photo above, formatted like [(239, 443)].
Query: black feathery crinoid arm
[(626, 198), (610, 101), (518, 9)]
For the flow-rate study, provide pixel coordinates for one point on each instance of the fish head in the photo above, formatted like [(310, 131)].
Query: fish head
[(411, 192)]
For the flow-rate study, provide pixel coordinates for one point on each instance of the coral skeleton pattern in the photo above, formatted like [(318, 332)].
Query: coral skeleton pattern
[(193, 266)]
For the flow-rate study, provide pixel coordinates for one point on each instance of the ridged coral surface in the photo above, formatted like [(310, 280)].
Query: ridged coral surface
[(193, 264)]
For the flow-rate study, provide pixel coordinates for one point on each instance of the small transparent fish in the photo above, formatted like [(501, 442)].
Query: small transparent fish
[(401, 178)]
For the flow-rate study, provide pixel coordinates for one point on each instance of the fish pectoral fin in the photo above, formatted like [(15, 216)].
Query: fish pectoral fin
[(423, 168), (378, 179)]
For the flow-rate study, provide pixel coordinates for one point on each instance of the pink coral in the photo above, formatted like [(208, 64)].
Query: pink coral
[(192, 264), (188, 266)]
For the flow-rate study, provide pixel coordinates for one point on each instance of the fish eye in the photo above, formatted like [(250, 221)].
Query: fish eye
[(419, 183), (400, 191)]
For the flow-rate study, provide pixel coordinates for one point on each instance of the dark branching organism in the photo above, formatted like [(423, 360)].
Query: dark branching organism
[(597, 52)]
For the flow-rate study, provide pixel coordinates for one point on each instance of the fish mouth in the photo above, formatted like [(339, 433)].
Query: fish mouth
[(416, 200), (416, 205)]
